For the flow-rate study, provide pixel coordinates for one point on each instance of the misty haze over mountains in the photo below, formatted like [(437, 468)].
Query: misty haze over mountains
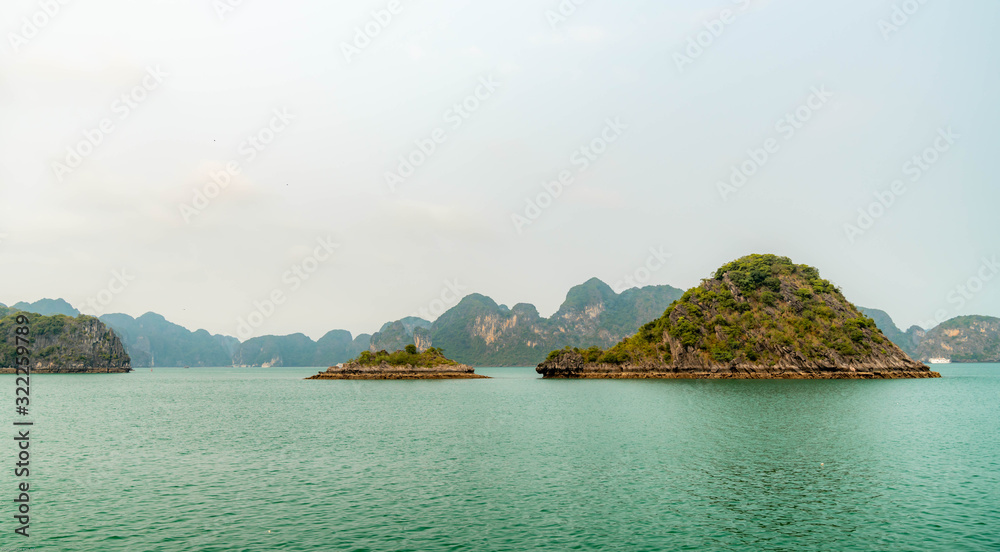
[(476, 331), (480, 332)]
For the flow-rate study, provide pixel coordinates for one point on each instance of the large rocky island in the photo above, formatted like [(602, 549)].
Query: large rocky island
[(405, 364), (760, 316), (962, 339), (62, 345)]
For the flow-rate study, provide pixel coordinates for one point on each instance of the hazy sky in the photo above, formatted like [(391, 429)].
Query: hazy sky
[(311, 113)]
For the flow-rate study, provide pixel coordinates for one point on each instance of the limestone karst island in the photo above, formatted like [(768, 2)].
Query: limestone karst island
[(760, 316), (62, 344), (405, 364)]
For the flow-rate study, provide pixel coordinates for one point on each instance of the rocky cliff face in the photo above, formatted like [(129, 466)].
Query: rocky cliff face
[(760, 316), (963, 339), (422, 339), (60, 344)]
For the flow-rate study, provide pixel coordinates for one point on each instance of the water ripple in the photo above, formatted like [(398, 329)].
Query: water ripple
[(225, 460)]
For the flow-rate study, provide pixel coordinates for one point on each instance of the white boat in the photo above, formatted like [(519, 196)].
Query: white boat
[(939, 360)]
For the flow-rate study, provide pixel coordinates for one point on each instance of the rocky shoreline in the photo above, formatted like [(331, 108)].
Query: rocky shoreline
[(73, 370), (572, 365), (386, 371), (742, 375)]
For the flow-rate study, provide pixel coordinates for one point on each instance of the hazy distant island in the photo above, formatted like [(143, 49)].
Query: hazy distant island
[(962, 339), (475, 331), (479, 332), (404, 364), (760, 316), (62, 345)]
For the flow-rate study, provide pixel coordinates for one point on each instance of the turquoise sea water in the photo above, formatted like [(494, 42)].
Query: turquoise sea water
[(258, 459)]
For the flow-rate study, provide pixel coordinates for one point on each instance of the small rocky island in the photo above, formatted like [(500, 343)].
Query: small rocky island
[(404, 364), (62, 344), (760, 316)]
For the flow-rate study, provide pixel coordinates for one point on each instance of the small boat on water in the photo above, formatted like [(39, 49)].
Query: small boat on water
[(939, 360)]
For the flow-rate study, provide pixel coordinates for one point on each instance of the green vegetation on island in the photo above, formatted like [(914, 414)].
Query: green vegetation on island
[(593, 321), (758, 311), (62, 344), (408, 356), (408, 363)]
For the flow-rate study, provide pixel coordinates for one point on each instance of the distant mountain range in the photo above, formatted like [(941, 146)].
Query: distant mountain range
[(479, 332), (153, 341), (299, 350), (476, 331), (47, 307), (907, 341)]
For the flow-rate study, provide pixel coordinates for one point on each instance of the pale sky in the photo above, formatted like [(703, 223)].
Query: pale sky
[(314, 116)]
